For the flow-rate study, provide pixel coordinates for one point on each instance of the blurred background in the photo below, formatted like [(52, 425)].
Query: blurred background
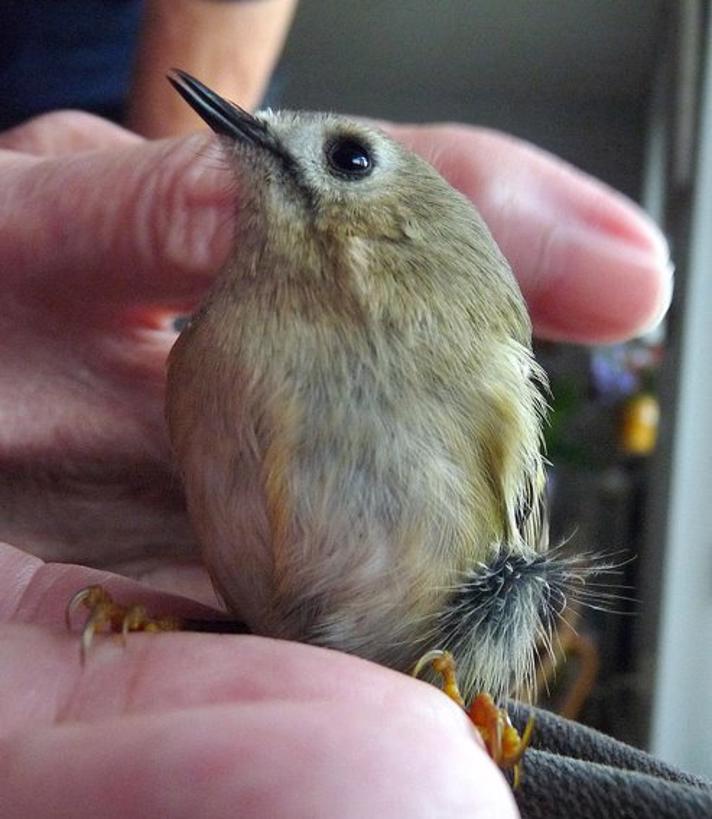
[(622, 90)]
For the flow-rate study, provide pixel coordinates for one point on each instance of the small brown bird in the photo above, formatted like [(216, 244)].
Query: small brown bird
[(356, 411)]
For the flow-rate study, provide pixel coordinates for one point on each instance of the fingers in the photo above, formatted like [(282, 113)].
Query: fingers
[(277, 759), (150, 224), (210, 725), (145, 224), (34, 592), (229, 46), (588, 289), (65, 132), (592, 266), (17, 568)]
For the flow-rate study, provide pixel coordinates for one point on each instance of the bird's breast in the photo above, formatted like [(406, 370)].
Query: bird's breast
[(321, 478)]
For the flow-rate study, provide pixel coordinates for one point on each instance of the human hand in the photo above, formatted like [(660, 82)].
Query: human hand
[(197, 725), (105, 235), (96, 252)]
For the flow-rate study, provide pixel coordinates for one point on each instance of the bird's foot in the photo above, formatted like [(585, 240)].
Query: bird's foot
[(502, 740), (107, 615)]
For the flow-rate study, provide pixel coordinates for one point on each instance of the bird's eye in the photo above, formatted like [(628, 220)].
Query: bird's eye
[(349, 158)]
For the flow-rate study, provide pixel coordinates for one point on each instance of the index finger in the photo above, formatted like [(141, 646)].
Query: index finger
[(148, 223), (592, 266)]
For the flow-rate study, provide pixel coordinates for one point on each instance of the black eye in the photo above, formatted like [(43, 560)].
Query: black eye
[(349, 158)]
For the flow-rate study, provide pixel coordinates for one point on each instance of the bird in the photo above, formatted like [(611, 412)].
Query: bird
[(355, 409)]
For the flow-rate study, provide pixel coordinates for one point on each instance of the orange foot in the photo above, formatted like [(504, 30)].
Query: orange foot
[(501, 738), (104, 612)]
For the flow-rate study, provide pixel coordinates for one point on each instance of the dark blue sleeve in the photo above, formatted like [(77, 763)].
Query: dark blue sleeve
[(65, 54)]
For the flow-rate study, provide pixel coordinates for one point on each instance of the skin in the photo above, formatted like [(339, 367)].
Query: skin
[(102, 233), (233, 45)]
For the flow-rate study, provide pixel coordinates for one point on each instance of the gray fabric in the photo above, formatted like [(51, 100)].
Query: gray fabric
[(573, 772)]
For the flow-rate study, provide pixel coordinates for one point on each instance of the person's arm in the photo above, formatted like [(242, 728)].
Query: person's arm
[(230, 44)]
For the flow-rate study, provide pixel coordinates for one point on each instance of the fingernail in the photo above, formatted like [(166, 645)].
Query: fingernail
[(591, 286), (646, 232), (667, 285)]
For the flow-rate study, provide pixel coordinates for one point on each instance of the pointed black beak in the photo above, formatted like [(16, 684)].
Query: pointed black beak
[(233, 122), (224, 117)]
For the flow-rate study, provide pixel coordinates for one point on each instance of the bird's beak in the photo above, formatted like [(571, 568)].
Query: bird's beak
[(233, 122), (224, 117)]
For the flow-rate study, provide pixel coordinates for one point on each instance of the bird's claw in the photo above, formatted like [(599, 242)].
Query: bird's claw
[(501, 738), (106, 614)]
